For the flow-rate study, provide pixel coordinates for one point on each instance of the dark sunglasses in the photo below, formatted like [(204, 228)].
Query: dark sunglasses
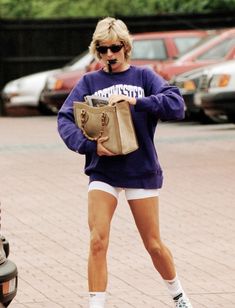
[(113, 48)]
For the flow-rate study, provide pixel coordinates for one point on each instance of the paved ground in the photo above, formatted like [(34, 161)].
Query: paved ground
[(43, 198)]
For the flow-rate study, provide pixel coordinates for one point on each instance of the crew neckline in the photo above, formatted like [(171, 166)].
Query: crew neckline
[(116, 73)]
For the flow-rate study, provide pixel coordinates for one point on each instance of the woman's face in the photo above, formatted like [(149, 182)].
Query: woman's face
[(113, 51)]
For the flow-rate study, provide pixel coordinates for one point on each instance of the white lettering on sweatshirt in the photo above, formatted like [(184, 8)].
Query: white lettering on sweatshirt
[(121, 89)]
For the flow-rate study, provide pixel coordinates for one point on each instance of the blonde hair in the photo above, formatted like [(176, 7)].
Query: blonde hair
[(111, 29)]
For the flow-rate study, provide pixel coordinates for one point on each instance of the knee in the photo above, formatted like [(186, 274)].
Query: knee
[(98, 244), (155, 248)]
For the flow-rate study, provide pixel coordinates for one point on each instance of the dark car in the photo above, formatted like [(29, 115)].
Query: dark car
[(148, 49)]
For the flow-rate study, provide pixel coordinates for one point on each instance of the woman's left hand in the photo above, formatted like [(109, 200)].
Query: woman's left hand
[(118, 97), (101, 149)]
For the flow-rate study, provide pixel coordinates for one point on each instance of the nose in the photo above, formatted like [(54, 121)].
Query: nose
[(109, 52)]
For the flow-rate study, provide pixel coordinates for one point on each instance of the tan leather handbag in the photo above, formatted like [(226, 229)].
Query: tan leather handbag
[(112, 121)]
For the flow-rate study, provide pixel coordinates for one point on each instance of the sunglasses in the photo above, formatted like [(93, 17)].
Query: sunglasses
[(113, 48)]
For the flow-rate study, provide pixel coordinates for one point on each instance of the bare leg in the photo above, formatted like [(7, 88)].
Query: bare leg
[(101, 207), (146, 215)]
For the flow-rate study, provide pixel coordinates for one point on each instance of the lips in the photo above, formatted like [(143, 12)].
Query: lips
[(112, 61)]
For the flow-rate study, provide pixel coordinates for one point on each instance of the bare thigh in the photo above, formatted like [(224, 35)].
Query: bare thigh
[(101, 207)]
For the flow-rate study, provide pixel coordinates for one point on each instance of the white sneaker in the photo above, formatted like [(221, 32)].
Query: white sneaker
[(182, 301)]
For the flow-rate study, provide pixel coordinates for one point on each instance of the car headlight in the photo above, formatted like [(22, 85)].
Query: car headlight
[(219, 80), (58, 84), (189, 85), (54, 83)]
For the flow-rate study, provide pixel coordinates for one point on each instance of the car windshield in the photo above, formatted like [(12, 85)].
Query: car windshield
[(185, 43), (201, 41), (153, 49), (219, 51), (80, 62), (212, 40)]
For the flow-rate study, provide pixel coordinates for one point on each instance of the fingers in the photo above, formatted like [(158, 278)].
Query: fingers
[(116, 97), (102, 139), (132, 100), (101, 150)]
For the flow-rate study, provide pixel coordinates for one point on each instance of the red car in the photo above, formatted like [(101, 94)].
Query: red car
[(148, 49), (217, 49)]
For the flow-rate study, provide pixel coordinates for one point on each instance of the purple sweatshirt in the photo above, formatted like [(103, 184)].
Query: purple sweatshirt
[(156, 99)]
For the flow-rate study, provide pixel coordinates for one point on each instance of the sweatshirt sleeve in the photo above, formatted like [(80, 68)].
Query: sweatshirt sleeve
[(68, 130), (162, 99)]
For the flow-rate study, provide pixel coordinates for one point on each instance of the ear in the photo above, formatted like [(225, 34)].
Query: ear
[(127, 50)]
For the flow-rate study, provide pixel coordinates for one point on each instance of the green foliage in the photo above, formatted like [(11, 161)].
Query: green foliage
[(193, 6), (68, 8), (100, 8)]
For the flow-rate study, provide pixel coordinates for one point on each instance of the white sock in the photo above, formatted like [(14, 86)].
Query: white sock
[(97, 299), (174, 286)]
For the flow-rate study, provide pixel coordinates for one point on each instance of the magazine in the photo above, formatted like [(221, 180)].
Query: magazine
[(96, 101)]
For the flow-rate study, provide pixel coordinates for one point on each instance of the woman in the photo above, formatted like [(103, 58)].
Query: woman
[(138, 173)]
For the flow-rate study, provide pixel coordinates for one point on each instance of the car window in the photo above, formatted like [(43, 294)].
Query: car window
[(185, 43), (219, 51), (80, 62), (149, 49)]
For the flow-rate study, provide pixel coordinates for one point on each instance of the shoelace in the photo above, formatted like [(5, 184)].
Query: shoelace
[(181, 303)]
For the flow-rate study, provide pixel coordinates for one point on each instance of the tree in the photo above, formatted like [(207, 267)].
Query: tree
[(89, 8), (190, 6)]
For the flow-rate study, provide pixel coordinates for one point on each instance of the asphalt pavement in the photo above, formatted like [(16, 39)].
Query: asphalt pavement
[(44, 217)]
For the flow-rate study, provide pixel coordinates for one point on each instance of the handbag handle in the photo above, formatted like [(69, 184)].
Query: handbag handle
[(84, 118)]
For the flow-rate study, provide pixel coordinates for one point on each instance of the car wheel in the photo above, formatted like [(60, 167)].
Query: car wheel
[(231, 118), (44, 109), (2, 106), (205, 119)]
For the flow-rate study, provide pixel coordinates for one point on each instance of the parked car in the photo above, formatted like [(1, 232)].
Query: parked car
[(216, 49), (216, 95), (189, 84), (157, 47), (148, 49), (26, 90)]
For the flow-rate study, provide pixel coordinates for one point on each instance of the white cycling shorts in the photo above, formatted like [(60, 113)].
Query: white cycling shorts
[(131, 193)]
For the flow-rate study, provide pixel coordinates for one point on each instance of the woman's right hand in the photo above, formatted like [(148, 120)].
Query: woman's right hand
[(119, 97), (101, 150)]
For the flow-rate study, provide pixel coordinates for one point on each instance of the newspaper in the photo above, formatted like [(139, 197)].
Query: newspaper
[(96, 101)]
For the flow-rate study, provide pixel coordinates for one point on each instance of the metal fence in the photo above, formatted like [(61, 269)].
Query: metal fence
[(29, 46)]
